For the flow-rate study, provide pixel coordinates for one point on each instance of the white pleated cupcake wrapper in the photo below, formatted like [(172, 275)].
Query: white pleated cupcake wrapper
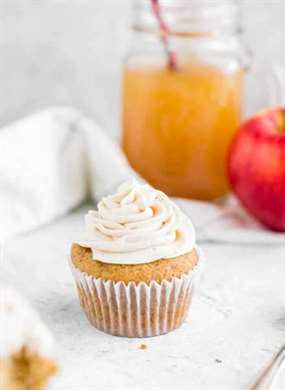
[(135, 310)]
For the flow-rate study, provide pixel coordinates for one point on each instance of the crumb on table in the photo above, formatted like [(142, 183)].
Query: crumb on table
[(143, 346)]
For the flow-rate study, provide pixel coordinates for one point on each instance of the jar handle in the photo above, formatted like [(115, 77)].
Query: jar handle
[(276, 84)]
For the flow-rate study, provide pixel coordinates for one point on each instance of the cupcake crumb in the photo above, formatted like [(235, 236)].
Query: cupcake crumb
[(143, 346)]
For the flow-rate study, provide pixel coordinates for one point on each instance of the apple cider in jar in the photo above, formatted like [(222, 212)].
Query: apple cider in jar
[(178, 121)]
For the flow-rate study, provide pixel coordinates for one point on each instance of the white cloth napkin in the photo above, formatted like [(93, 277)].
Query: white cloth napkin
[(51, 161)]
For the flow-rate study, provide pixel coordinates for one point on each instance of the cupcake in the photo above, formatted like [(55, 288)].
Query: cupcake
[(26, 357), (135, 262)]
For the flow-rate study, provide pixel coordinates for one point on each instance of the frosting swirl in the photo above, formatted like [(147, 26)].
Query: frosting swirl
[(137, 225)]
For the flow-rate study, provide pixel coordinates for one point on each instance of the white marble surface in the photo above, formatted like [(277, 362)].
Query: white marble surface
[(236, 324)]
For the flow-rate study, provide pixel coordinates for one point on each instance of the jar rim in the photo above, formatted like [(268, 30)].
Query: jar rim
[(190, 17)]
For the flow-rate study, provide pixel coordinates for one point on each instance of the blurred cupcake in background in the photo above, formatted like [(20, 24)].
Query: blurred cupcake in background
[(135, 264), (26, 345)]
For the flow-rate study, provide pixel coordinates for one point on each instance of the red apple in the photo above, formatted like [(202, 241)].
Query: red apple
[(256, 167)]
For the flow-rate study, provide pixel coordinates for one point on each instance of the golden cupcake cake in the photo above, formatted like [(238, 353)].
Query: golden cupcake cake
[(135, 263), (26, 357)]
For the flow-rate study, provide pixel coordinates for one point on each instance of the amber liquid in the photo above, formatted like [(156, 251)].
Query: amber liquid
[(177, 126)]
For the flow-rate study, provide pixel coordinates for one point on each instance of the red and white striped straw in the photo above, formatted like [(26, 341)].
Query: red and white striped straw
[(164, 35)]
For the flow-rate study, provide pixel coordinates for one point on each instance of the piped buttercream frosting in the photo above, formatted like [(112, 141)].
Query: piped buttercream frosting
[(137, 224)]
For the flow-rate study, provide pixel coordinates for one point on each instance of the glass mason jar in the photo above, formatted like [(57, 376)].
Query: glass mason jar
[(178, 122)]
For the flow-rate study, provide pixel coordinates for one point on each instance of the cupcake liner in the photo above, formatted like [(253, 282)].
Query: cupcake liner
[(134, 310)]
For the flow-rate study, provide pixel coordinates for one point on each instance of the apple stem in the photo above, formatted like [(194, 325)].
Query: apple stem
[(283, 120), (164, 35)]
